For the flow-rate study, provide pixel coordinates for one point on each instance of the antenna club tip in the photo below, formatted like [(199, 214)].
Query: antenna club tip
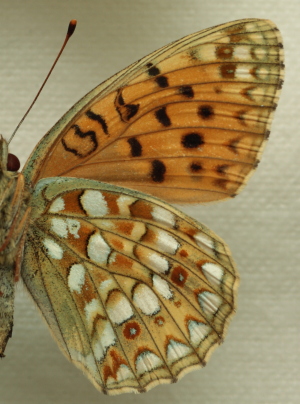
[(71, 28)]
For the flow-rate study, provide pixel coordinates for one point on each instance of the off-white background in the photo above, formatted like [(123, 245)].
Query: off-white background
[(259, 363)]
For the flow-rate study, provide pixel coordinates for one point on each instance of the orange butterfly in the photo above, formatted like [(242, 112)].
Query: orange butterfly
[(135, 292)]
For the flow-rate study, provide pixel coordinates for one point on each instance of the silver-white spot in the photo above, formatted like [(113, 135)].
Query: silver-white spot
[(119, 311), (107, 339), (94, 203), (53, 249), (177, 350), (242, 52), (92, 309), (163, 216), (213, 272), (147, 361), (203, 239), (209, 302), (62, 227), (76, 278), (124, 373), (146, 300), (243, 72), (198, 332), (166, 242), (156, 262), (162, 287), (98, 250), (57, 205), (73, 227), (59, 227)]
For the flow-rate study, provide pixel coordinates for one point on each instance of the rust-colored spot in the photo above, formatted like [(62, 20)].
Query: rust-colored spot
[(141, 209), (117, 361), (85, 232), (224, 52), (149, 237), (121, 261), (131, 330), (117, 244), (228, 70), (190, 231), (183, 253), (177, 303), (188, 318), (179, 276), (124, 227), (111, 200), (159, 320), (86, 295), (72, 203)]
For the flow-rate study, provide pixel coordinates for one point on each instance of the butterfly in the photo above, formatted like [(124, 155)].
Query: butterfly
[(135, 292)]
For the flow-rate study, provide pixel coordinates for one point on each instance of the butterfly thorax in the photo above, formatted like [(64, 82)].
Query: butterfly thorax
[(13, 219)]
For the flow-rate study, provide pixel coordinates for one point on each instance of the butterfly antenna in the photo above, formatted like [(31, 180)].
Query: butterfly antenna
[(71, 29)]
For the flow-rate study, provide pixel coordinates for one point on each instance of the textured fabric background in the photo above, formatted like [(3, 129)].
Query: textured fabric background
[(259, 361)]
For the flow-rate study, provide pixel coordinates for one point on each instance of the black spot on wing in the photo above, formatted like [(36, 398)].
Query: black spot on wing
[(125, 111), (153, 70), (136, 147), (131, 110), (187, 91), (162, 81), (206, 112), (91, 137), (192, 140), (196, 167), (162, 117), (158, 171), (98, 118)]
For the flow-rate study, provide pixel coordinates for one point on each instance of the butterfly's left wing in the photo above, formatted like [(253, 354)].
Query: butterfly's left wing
[(135, 292), (187, 123)]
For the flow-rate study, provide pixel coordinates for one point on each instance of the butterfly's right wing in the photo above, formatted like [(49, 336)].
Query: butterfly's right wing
[(186, 123), (135, 292)]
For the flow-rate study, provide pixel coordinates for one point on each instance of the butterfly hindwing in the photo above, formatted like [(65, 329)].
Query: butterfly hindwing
[(135, 292), (192, 116)]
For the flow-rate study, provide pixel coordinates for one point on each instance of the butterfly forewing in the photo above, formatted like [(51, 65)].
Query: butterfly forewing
[(135, 292), (193, 116)]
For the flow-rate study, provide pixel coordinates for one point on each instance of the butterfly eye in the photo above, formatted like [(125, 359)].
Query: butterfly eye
[(13, 163)]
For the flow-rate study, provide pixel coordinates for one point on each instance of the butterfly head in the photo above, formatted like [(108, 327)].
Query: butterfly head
[(8, 161)]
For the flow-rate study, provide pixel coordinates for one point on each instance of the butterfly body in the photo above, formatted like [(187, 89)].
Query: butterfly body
[(135, 292), (14, 215)]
